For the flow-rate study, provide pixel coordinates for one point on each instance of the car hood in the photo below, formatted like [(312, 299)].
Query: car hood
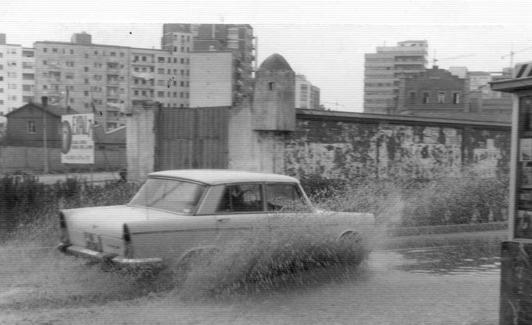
[(109, 220)]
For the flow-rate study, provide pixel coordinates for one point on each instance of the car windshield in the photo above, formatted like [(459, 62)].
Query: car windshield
[(167, 194)]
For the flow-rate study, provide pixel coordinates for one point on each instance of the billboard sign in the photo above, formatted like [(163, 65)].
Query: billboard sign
[(77, 139)]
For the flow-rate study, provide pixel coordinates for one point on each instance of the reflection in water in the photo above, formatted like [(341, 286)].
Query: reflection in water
[(473, 259)]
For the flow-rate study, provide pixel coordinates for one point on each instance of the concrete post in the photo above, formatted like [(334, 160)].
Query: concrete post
[(140, 142)]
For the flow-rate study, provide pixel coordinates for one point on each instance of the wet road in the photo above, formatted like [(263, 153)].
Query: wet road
[(457, 284)]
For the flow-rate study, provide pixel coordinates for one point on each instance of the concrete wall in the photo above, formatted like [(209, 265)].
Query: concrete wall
[(211, 79), (31, 159), (140, 142)]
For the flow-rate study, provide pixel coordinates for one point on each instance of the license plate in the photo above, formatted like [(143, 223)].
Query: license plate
[(93, 242)]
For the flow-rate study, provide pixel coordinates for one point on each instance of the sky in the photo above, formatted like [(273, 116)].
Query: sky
[(324, 40)]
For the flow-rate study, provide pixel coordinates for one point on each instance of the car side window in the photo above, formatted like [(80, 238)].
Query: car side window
[(241, 198), (284, 197)]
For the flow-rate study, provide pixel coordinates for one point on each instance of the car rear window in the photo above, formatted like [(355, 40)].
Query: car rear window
[(167, 194)]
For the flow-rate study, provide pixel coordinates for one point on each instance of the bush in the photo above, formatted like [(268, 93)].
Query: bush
[(30, 207)]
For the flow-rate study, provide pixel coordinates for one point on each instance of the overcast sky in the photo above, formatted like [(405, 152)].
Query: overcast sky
[(324, 40)]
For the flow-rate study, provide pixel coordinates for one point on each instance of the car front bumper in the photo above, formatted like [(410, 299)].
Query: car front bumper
[(109, 258)]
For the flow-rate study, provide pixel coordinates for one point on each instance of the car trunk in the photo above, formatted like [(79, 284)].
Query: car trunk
[(101, 228)]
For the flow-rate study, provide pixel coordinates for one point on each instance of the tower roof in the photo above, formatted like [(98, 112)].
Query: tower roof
[(275, 62)]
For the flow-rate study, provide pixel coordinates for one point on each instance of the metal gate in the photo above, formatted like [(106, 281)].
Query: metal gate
[(191, 138)]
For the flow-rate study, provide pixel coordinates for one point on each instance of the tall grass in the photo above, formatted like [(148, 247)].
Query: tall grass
[(403, 202), (28, 209)]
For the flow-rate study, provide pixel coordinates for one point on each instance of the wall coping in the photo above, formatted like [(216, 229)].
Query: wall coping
[(302, 113)]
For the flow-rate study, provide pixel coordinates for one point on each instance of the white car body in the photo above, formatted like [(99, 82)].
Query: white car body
[(150, 229)]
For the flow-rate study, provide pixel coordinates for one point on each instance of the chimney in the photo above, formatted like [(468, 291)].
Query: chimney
[(44, 101)]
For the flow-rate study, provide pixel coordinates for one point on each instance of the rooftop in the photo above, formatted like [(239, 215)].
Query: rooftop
[(275, 62), (223, 176)]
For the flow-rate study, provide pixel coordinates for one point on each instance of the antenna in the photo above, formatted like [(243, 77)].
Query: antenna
[(512, 54)]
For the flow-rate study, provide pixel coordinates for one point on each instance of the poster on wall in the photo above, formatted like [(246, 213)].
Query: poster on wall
[(523, 224), (525, 150), (77, 145)]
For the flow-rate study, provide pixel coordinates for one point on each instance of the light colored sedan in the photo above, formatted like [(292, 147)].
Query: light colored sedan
[(179, 212)]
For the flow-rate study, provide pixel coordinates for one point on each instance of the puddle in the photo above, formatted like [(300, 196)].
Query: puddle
[(478, 259)]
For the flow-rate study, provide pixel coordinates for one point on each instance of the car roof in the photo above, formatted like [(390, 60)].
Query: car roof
[(223, 176)]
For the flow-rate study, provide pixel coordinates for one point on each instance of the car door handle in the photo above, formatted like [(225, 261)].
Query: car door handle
[(223, 220)]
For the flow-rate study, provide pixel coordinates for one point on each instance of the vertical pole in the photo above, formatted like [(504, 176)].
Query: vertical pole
[(44, 101)]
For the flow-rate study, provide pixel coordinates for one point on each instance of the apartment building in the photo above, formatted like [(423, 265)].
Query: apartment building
[(385, 68), (307, 95), (109, 79), (237, 38), (16, 76), (455, 93)]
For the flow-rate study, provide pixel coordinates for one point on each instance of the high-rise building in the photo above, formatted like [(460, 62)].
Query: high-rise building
[(16, 76), (237, 38), (384, 69), (108, 79), (307, 95)]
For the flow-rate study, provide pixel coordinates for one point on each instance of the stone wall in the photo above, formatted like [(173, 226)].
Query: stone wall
[(346, 145)]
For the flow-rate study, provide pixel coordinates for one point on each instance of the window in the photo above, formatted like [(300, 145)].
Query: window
[(113, 53), (31, 127), (182, 61), (160, 94), (28, 76), (27, 87), (86, 69), (86, 93), (441, 97), (71, 51), (160, 71), (284, 197), (412, 97), (45, 49), (456, 98), (271, 85), (11, 74), (12, 86), (1, 90), (27, 99), (54, 50), (160, 59), (426, 98), (241, 198), (172, 195)]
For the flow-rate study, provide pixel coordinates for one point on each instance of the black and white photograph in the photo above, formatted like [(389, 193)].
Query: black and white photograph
[(266, 162)]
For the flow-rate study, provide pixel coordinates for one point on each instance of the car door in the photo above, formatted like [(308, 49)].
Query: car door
[(286, 206), (240, 212)]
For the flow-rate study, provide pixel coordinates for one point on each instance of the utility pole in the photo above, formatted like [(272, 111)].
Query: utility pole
[(44, 101)]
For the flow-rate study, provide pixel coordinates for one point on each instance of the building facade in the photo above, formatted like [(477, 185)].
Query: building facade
[(384, 69), (307, 95), (17, 76), (454, 93), (107, 79)]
